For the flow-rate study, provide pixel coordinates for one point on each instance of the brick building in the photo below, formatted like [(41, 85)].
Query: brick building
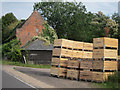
[(32, 26)]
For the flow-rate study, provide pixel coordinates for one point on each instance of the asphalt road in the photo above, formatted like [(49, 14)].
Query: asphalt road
[(9, 81)]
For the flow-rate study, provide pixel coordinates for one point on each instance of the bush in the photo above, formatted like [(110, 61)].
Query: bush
[(12, 50)]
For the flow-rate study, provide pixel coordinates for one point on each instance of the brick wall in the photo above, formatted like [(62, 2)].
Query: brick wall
[(31, 28)]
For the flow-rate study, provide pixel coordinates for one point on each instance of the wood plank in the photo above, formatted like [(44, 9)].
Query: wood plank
[(63, 42), (62, 72), (73, 64), (86, 64), (106, 65), (71, 73), (108, 42), (54, 70), (87, 54), (106, 53), (88, 46), (77, 45), (77, 54), (101, 76), (59, 61), (86, 75), (62, 52)]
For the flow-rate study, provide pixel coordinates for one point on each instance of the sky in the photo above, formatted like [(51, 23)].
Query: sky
[(22, 10)]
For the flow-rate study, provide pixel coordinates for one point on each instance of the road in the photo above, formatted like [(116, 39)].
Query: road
[(9, 81)]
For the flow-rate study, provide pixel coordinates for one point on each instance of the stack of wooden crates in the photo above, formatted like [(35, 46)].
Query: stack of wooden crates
[(86, 62), (105, 56)]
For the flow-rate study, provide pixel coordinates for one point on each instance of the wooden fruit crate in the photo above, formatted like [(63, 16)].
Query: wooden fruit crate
[(86, 75), (88, 46), (101, 76), (77, 54), (77, 45), (87, 54), (58, 71), (59, 61), (106, 65), (106, 53), (63, 52), (63, 42), (86, 64), (105, 42), (73, 64), (72, 74)]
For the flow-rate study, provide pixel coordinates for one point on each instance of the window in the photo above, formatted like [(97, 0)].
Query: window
[(37, 30)]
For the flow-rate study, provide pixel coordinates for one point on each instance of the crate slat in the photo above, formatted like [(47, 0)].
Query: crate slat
[(106, 65), (71, 73), (101, 76), (87, 54), (108, 42), (77, 45), (86, 64), (77, 54), (73, 64), (106, 53), (85, 75), (62, 52), (88, 46)]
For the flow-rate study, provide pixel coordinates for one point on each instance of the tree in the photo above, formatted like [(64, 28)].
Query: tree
[(9, 22)]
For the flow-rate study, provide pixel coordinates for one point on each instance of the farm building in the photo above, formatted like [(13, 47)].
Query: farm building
[(38, 52)]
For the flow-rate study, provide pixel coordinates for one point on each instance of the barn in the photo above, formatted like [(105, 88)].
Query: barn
[(38, 52)]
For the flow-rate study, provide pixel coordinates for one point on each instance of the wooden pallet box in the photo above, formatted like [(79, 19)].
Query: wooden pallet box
[(78, 45), (58, 71), (88, 46), (100, 76), (86, 75), (73, 64), (105, 42), (87, 54), (77, 54), (72, 74), (106, 53), (86, 64), (59, 61), (63, 52), (106, 65), (63, 42)]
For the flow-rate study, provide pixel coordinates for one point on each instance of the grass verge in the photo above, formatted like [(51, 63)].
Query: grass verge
[(24, 65)]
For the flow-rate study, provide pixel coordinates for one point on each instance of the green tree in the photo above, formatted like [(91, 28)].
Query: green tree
[(9, 22)]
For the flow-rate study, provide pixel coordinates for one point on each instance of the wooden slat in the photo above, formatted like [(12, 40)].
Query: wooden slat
[(87, 54), (88, 46), (86, 64), (71, 73), (106, 65), (62, 52), (64, 42), (86, 75), (73, 63), (101, 76), (62, 72), (77, 45), (77, 54), (106, 53), (59, 61), (54, 70), (108, 42)]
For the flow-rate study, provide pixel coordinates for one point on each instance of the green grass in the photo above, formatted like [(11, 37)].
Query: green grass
[(24, 65)]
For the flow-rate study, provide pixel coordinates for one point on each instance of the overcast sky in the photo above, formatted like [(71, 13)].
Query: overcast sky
[(22, 10)]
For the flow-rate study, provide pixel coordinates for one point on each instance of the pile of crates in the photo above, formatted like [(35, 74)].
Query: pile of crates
[(105, 56), (85, 61)]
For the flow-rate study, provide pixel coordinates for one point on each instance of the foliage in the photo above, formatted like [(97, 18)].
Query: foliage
[(9, 22), (12, 50), (24, 65), (72, 21)]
